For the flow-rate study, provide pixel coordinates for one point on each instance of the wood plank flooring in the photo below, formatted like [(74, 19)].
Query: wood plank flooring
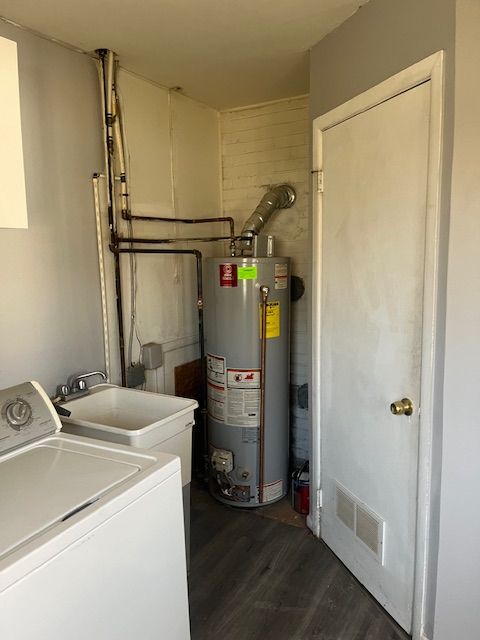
[(255, 578)]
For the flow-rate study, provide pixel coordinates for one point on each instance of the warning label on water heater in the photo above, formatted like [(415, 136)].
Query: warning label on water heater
[(272, 490), (243, 406), (243, 378), (243, 397), (216, 392), (216, 369), (273, 319), (250, 435), (233, 395), (228, 275), (281, 275), (216, 402)]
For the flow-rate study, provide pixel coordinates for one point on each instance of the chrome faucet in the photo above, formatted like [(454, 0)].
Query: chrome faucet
[(77, 382), (76, 385)]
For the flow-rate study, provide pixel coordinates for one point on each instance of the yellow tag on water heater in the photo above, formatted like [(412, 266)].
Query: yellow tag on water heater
[(273, 319)]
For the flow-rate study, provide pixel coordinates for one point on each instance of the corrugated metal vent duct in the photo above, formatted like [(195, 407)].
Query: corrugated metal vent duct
[(282, 196)]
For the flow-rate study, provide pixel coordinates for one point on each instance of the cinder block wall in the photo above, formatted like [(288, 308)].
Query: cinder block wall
[(262, 146)]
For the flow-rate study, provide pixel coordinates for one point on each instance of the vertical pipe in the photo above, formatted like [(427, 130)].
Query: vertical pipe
[(121, 337), (104, 94), (120, 148), (171, 143), (101, 266), (264, 290), (121, 158), (106, 75), (203, 362), (109, 99)]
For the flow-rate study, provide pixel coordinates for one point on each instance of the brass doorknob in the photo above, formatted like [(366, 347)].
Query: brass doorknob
[(402, 407)]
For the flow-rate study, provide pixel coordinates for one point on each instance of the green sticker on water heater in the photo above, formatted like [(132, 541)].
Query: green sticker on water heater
[(247, 273)]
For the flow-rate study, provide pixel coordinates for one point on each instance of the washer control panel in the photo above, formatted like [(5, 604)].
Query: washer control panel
[(26, 414)]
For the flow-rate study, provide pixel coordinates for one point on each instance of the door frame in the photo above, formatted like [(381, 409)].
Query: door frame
[(430, 69)]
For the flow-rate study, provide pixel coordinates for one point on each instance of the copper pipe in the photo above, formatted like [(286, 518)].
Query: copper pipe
[(171, 240), (227, 219), (264, 290)]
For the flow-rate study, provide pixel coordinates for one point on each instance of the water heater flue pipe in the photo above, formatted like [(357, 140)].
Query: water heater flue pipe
[(282, 196)]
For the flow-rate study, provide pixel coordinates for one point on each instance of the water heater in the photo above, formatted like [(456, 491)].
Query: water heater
[(247, 326)]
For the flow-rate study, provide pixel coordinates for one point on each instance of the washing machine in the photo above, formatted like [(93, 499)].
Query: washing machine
[(158, 422), (91, 535)]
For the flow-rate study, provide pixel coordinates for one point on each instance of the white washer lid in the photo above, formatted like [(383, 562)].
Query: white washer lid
[(45, 484)]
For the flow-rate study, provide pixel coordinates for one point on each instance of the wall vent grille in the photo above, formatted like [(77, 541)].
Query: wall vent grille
[(345, 508), (365, 525)]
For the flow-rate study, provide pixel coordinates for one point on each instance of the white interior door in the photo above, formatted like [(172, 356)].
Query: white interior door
[(375, 168)]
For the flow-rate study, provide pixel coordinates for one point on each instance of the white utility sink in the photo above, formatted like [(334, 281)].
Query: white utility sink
[(133, 417)]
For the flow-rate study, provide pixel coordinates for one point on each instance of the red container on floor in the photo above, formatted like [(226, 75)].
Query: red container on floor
[(301, 490)]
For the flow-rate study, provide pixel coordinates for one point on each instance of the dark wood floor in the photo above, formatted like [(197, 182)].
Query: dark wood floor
[(255, 578)]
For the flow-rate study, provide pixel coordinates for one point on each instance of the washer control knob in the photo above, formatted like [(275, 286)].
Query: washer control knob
[(18, 413)]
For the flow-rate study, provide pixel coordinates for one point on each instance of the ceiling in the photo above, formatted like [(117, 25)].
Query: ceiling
[(225, 53)]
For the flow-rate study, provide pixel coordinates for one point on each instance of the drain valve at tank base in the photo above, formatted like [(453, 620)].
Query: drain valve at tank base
[(245, 474)]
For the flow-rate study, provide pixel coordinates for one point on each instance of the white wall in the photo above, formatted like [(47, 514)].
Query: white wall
[(458, 590), (173, 146), (146, 111), (50, 319), (50, 316), (261, 146)]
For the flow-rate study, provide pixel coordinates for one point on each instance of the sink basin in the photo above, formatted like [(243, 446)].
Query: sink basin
[(128, 416)]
